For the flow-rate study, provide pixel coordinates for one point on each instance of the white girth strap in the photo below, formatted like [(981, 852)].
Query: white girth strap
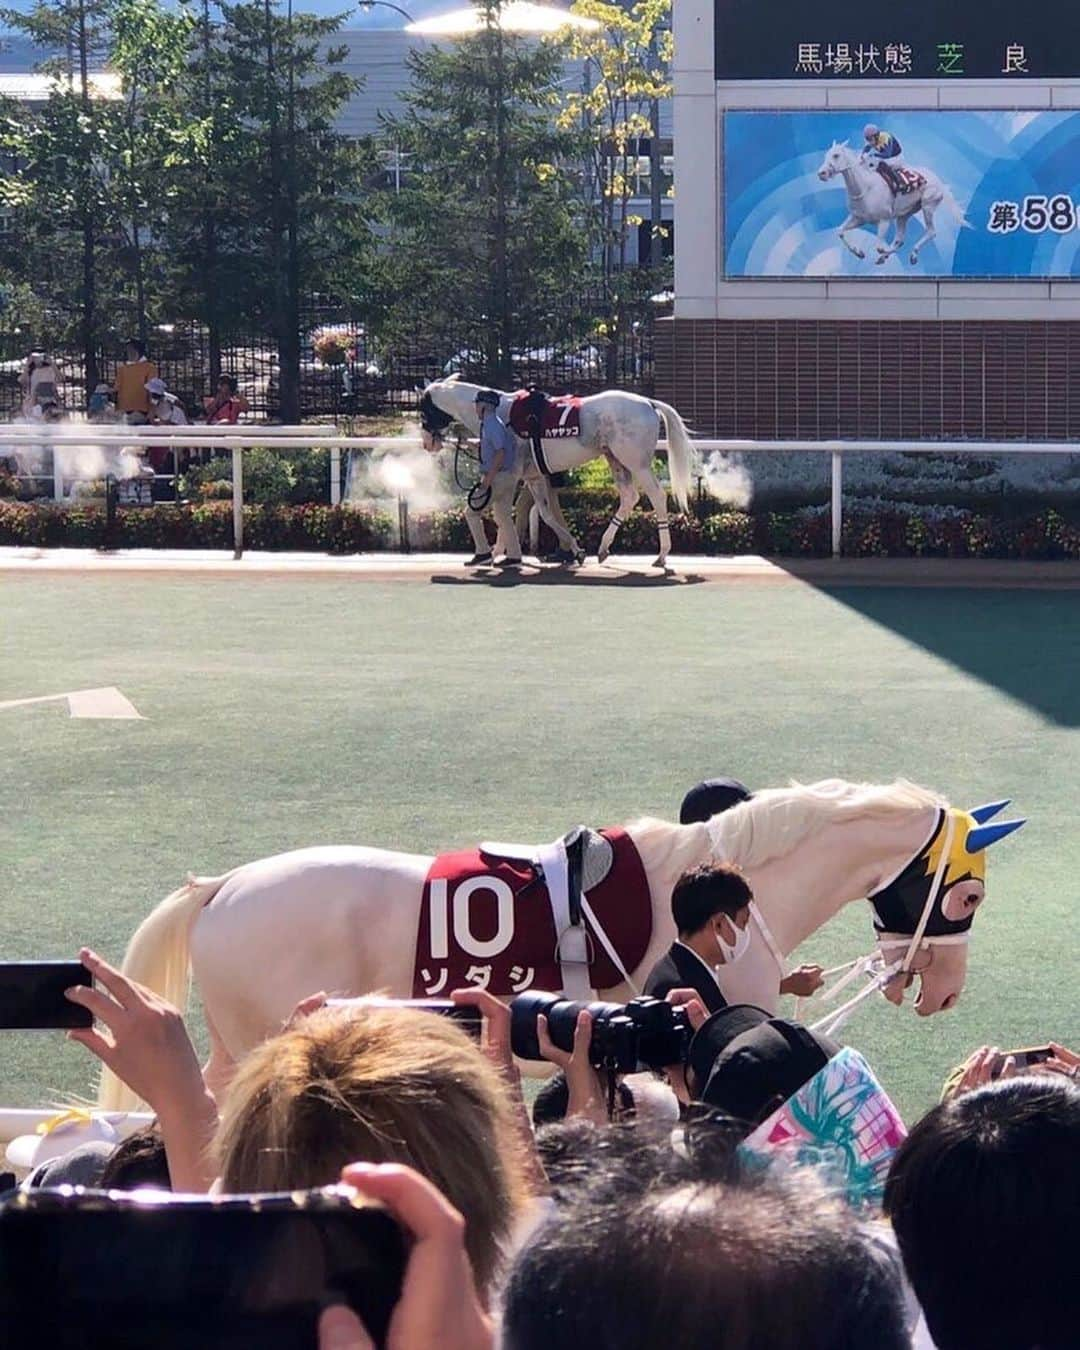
[(571, 940), (770, 941)]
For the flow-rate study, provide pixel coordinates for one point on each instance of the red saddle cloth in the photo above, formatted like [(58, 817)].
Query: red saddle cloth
[(911, 180), (561, 417), (488, 922)]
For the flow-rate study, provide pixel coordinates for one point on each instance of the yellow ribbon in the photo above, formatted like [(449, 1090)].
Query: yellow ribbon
[(75, 1115)]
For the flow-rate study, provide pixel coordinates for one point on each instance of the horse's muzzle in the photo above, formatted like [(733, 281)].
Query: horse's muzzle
[(432, 441)]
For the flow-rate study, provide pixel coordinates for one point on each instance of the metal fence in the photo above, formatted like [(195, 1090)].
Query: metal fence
[(373, 372)]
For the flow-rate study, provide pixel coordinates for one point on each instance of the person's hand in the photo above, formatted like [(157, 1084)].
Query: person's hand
[(1062, 1063), (981, 1067), (144, 1041), (690, 1001), (496, 1015), (803, 981), (439, 1305), (587, 1097)]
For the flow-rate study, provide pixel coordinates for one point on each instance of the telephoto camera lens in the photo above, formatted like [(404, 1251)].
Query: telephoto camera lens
[(642, 1034)]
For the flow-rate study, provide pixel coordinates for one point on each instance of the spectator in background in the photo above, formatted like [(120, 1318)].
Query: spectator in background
[(378, 1085), (40, 383), (983, 1197), (101, 407), (226, 405), (132, 377), (165, 408), (641, 1257)]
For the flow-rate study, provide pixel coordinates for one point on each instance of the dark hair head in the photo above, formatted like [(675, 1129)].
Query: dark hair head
[(983, 1195), (768, 1260), (138, 1161), (229, 381), (715, 888), (138, 344)]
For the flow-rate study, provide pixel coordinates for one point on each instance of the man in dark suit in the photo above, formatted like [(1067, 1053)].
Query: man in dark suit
[(711, 909)]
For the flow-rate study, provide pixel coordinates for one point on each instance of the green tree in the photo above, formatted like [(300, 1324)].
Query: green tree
[(486, 227), (60, 193), (626, 62), (297, 180)]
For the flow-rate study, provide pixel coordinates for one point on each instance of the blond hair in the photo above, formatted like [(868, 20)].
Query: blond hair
[(367, 1084)]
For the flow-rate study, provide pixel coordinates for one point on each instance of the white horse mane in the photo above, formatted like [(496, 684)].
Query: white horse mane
[(773, 822)]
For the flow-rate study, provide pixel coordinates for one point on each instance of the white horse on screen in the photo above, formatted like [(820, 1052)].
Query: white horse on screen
[(346, 919), (870, 202)]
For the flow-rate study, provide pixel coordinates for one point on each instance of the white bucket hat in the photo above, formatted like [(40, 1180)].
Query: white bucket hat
[(156, 386), (59, 1135)]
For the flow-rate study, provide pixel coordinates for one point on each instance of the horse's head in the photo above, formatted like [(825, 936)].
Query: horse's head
[(838, 157), (808, 850), (434, 415), (923, 914)]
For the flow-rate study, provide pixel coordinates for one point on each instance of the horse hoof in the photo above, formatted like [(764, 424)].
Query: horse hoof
[(661, 563), (602, 555), (913, 259), (883, 258), (859, 253), (882, 249)]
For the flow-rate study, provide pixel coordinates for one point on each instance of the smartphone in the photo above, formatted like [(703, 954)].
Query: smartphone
[(95, 1270), (1032, 1054), (32, 995), (468, 1018)]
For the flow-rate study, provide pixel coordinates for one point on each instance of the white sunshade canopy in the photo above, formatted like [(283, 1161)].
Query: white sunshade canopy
[(519, 16)]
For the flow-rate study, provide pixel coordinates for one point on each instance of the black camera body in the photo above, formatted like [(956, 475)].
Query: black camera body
[(645, 1033)]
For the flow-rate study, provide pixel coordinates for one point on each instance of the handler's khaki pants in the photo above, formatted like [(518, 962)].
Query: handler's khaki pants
[(502, 508)]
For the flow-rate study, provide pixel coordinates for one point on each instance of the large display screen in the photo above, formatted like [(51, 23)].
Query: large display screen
[(923, 39), (927, 193)]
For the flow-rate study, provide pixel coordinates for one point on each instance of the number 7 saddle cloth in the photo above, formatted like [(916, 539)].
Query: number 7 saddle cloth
[(497, 916)]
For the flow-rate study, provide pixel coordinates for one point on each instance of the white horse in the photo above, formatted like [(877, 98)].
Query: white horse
[(622, 427), (346, 920), (871, 202)]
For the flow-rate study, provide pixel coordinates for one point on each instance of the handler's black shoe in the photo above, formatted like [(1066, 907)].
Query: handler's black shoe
[(508, 562), (479, 559)]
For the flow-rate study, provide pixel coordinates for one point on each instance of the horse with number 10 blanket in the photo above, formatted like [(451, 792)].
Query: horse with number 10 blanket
[(352, 920)]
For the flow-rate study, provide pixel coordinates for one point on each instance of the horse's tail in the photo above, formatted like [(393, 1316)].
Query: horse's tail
[(158, 957), (680, 453), (954, 208)]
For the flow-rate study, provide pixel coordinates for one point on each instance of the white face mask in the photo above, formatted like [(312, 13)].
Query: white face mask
[(732, 951)]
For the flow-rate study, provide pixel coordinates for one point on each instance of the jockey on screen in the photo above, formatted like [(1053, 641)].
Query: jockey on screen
[(886, 149)]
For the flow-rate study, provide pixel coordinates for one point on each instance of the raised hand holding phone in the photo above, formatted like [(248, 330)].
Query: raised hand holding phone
[(145, 1043)]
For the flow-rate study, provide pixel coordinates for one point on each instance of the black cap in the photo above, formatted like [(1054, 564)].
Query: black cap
[(711, 797), (489, 396), (746, 1063)]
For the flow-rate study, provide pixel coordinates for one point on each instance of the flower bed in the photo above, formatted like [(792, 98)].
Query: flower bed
[(887, 529), (306, 528)]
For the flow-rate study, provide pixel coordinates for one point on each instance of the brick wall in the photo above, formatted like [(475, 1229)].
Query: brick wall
[(812, 379)]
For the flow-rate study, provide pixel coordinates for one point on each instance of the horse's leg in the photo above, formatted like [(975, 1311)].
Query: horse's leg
[(851, 223), (219, 1068), (628, 495), (657, 494), (548, 505), (929, 233)]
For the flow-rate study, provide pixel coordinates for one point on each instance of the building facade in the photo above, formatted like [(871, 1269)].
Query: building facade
[(780, 328)]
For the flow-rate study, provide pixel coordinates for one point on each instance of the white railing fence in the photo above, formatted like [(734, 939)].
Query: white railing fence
[(240, 438)]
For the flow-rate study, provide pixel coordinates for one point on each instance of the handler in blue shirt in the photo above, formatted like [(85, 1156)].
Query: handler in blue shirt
[(499, 461)]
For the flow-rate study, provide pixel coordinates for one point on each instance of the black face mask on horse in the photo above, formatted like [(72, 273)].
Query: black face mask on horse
[(433, 420)]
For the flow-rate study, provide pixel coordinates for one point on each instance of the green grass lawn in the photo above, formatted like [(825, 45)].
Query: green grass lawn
[(285, 712)]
